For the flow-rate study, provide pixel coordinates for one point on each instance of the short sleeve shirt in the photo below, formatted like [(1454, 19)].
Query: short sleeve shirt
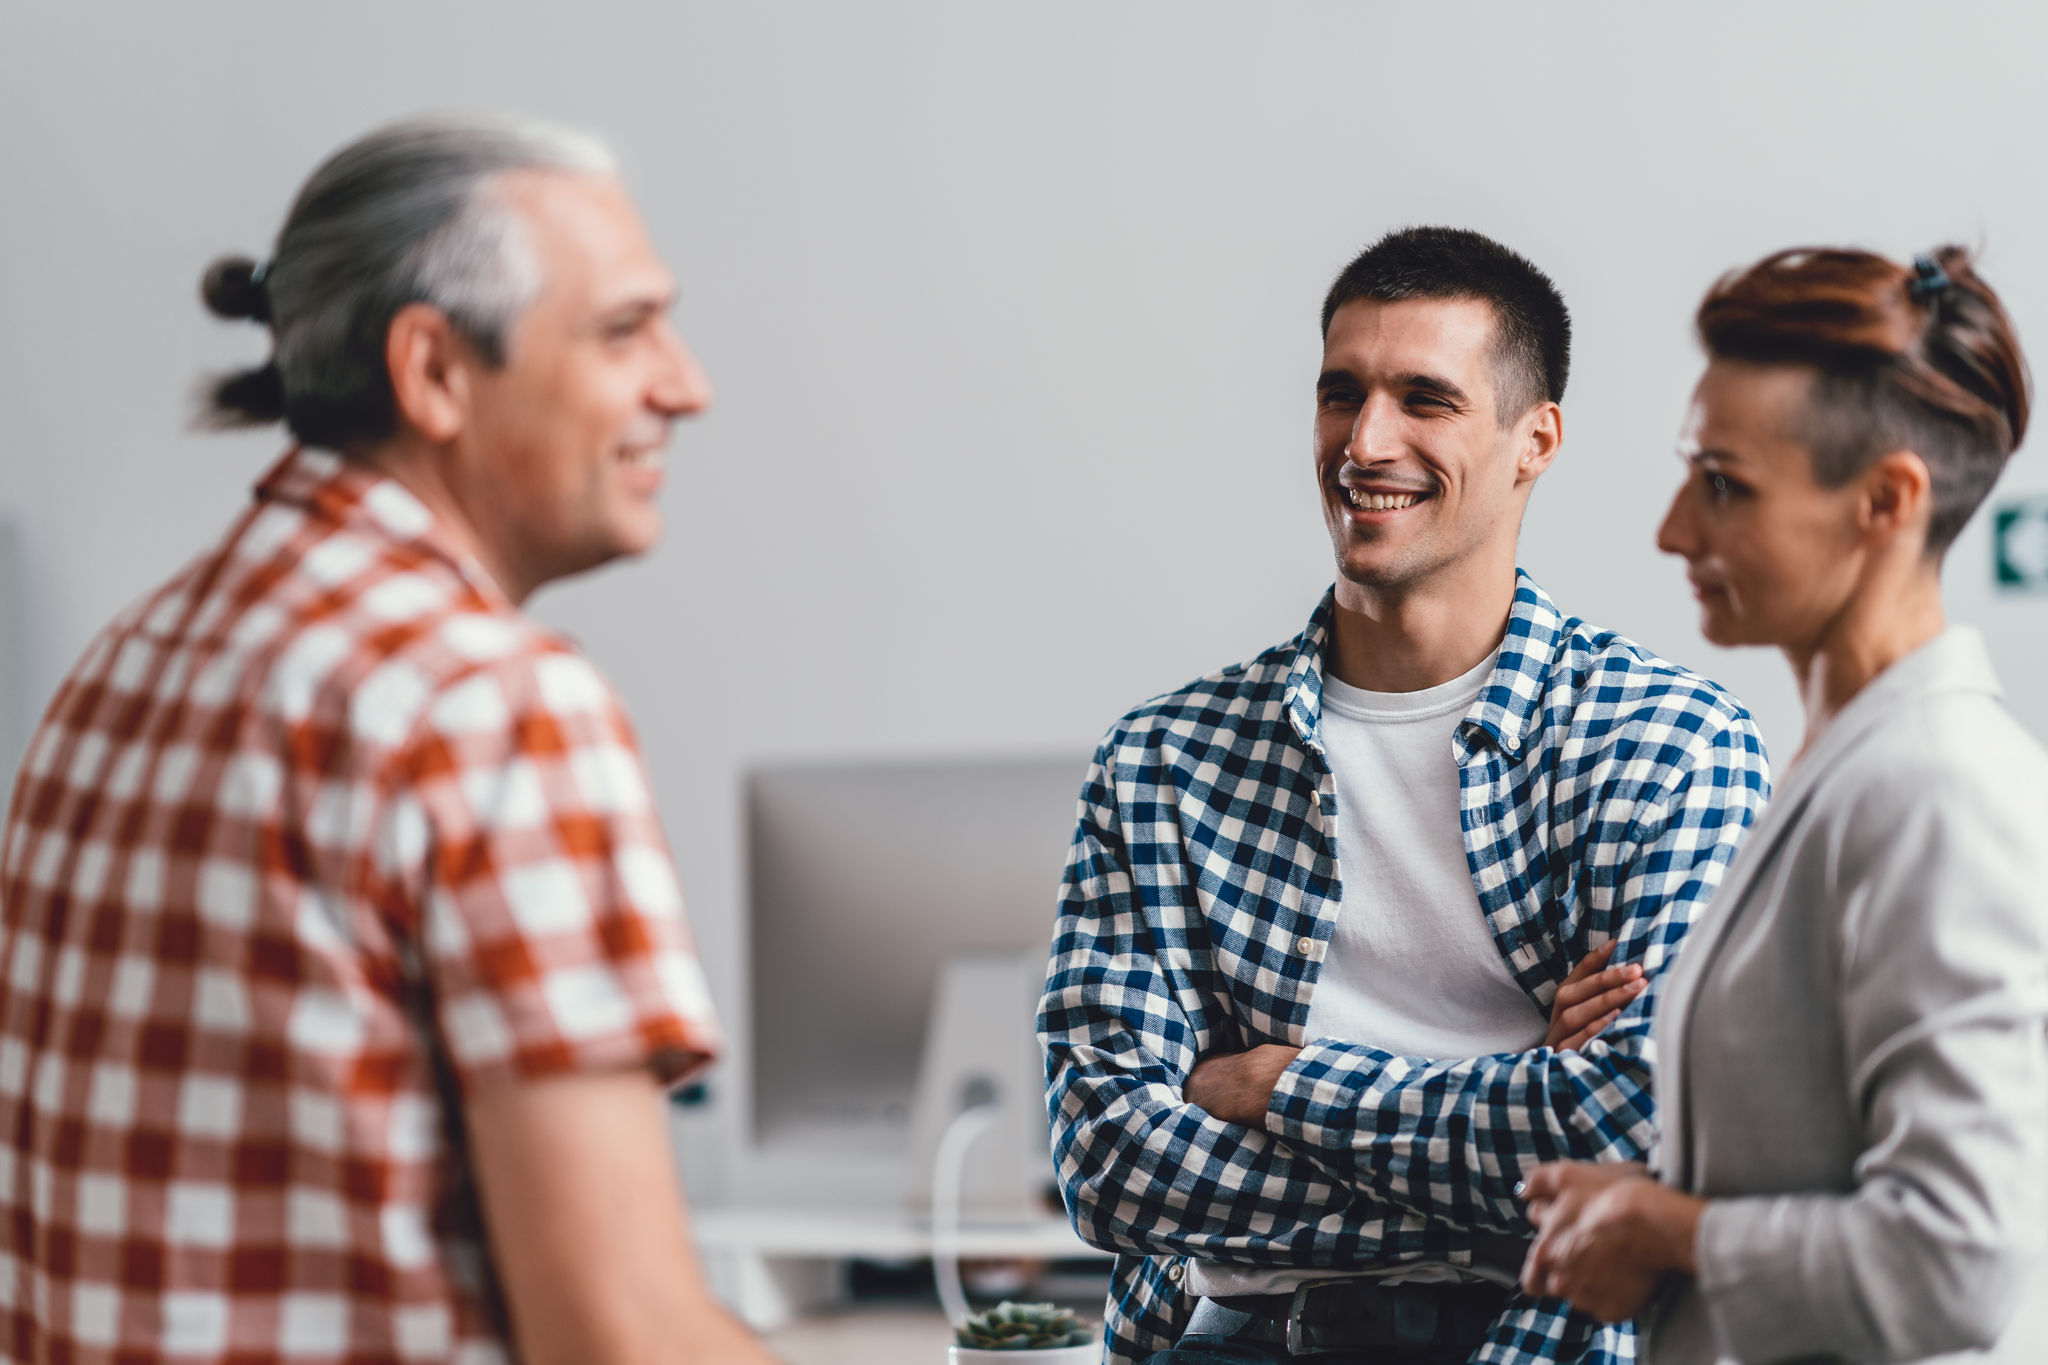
[(312, 841)]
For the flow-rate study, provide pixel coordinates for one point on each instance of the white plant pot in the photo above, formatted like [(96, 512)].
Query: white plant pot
[(1090, 1354)]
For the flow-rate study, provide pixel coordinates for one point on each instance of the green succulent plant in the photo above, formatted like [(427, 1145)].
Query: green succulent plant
[(1021, 1327)]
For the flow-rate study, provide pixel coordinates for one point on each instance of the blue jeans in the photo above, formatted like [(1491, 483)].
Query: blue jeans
[(1205, 1354)]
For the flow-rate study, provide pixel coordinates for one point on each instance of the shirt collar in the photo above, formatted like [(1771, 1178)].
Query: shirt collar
[(354, 495), (1507, 703), (1954, 661)]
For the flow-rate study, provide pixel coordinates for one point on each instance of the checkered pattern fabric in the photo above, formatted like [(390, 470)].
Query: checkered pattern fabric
[(318, 836), (1603, 793)]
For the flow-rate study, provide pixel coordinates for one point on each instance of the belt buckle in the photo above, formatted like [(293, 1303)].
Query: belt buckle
[(1297, 1344), (1413, 1322)]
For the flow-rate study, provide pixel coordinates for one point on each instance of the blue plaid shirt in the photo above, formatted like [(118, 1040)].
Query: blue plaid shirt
[(1604, 791)]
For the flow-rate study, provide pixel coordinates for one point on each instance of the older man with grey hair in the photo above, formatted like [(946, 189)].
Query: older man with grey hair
[(342, 963)]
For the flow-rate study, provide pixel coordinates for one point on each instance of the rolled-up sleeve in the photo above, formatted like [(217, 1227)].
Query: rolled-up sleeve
[(1144, 1171), (551, 929)]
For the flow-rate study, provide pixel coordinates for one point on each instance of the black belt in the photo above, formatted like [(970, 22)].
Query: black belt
[(1326, 1316)]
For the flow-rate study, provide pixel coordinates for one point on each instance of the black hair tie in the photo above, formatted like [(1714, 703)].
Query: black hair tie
[(1929, 281)]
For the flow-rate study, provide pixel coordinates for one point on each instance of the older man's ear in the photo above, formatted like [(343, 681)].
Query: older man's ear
[(429, 383)]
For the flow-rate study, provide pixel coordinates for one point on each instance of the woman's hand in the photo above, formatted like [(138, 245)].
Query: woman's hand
[(1590, 999), (1609, 1235)]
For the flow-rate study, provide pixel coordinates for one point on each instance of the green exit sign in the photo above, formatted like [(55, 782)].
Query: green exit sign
[(2019, 539)]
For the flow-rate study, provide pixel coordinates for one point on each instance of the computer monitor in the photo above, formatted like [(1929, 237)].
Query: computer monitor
[(863, 879)]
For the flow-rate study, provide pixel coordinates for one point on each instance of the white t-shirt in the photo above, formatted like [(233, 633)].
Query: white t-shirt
[(1412, 968)]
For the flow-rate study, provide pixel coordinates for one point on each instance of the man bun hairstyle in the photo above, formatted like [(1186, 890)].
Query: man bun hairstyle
[(1920, 358), (407, 214), (233, 288), (1532, 343)]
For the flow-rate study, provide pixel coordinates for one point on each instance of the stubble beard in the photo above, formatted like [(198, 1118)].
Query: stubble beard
[(1404, 569)]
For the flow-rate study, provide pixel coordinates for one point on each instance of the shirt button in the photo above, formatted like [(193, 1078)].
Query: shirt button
[(1305, 944), (1175, 1273)]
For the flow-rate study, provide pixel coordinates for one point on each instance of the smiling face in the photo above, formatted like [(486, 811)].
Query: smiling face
[(1418, 475), (563, 443), (1772, 554)]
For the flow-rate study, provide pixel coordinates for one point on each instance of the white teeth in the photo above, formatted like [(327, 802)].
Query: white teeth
[(643, 459), (1379, 502)]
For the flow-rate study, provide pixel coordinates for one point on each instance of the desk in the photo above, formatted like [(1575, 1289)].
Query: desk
[(864, 1336), (770, 1265), (869, 1336)]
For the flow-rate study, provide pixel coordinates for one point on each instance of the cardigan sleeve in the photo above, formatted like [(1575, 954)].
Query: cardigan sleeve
[(1943, 903)]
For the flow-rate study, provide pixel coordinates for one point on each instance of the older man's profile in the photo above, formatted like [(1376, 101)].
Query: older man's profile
[(344, 958)]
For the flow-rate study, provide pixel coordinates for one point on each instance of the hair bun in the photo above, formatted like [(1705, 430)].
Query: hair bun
[(248, 398), (233, 289)]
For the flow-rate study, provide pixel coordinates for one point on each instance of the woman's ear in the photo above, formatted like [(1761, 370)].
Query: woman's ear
[(1897, 496)]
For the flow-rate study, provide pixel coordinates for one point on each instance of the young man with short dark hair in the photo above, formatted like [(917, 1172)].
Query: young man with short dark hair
[(1354, 934)]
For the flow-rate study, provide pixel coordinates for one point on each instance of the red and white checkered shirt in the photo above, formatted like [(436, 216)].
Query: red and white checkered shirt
[(316, 838)]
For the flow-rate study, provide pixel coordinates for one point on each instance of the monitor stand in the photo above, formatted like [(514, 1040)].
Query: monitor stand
[(981, 1054)]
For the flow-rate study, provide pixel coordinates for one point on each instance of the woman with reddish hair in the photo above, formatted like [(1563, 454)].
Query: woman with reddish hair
[(1851, 1072)]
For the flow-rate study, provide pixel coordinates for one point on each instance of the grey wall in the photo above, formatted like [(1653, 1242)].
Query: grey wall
[(1012, 310), (14, 672)]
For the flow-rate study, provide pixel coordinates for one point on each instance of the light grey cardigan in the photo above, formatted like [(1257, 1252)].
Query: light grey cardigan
[(1850, 1060)]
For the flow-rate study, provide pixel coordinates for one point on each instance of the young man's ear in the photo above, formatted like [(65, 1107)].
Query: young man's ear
[(429, 367), (1898, 494), (1545, 434)]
